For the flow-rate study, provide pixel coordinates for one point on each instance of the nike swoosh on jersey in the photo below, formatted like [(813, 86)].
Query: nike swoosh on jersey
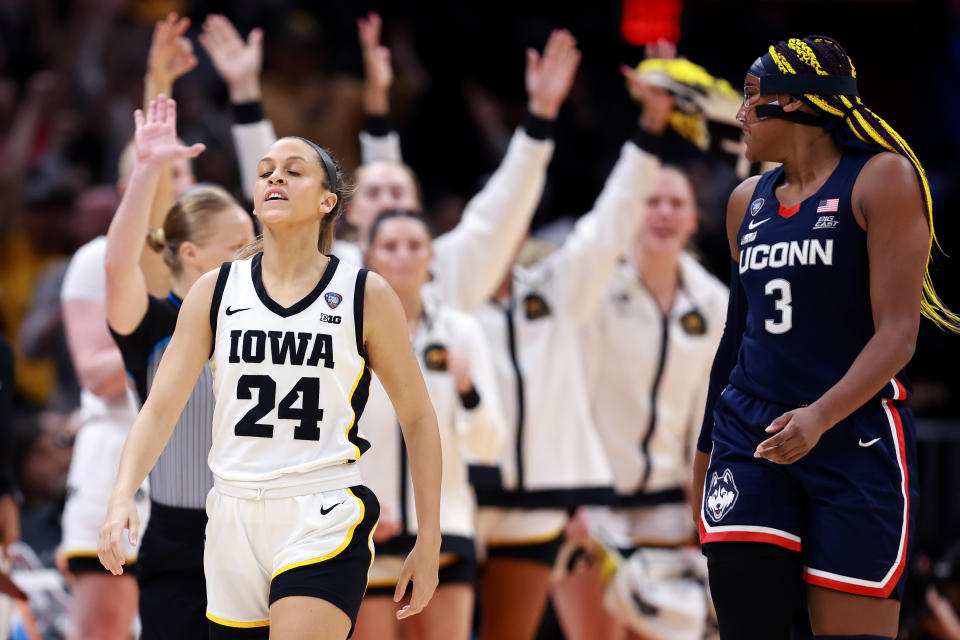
[(324, 512), (230, 311), (868, 444), (753, 225)]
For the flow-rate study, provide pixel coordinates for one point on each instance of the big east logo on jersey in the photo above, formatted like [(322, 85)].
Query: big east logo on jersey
[(722, 495)]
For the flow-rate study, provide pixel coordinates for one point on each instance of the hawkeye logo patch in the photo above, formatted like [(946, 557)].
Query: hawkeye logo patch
[(333, 299), (694, 323), (722, 495), (755, 206), (435, 357), (535, 307)]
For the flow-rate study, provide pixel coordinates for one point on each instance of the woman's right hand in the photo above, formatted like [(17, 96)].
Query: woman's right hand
[(377, 71), (121, 514), (549, 77), (155, 138)]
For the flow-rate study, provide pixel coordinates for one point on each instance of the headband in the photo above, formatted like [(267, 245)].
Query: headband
[(328, 164), (773, 81)]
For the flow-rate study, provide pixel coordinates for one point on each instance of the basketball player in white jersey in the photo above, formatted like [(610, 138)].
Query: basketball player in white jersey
[(289, 537)]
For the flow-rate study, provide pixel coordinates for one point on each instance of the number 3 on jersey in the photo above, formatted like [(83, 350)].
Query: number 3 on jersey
[(780, 288), (309, 413)]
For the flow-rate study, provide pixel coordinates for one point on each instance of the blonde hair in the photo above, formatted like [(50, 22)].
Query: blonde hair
[(189, 220)]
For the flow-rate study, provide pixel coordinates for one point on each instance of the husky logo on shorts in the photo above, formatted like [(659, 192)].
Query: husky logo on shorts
[(755, 206), (722, 495), (333, 299)]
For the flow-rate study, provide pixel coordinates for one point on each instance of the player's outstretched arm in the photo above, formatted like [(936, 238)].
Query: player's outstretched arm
[(888, 197), (179, 369), (391, 357), (156, 145), (472, 259)]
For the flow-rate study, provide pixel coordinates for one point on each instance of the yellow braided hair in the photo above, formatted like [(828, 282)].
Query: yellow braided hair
[(824, 56)]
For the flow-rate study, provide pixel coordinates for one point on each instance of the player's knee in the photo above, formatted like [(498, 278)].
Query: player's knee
[(756, 589)]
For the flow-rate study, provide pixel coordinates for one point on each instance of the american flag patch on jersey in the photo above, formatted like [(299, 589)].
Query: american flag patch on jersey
[(828, 206)]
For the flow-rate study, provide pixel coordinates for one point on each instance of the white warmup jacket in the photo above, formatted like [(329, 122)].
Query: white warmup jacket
[(466, 435), (553, 456), (470, 260), (648, 376)]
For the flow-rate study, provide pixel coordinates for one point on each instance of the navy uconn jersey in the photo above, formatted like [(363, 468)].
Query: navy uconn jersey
[(290, 382), (805, 272)]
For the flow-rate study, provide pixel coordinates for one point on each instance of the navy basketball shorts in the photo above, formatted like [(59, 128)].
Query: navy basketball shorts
[(848, 506)]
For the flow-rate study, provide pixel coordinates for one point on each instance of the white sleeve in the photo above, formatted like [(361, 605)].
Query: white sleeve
[(251, 140), (86, 276), (470, 260), (583, 266), (482, 429), (716, 317), (374, 148)]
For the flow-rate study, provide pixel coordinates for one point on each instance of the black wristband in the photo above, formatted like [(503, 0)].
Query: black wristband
[(470, 399), (649, 142), (538, 128), (247, 112), (377, 125)]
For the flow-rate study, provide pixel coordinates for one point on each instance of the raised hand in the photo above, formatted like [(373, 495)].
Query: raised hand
[(550, 76), (171, 54), (656, 101), (238, 62), (377, 71), (155, 138)]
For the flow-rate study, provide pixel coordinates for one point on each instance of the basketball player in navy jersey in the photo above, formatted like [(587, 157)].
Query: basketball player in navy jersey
[(291, 335), (811, 470)]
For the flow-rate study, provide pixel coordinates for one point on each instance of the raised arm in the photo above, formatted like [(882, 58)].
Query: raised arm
[(239, 63), (179, 369), (171, 56), (391, 357), (156, 144), (377, 140), (471, 260)]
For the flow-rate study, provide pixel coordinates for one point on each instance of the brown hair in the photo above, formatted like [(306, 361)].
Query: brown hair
[(328, 226), (189, 220)]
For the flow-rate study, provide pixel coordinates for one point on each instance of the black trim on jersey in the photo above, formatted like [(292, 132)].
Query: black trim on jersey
[(358, 295), (306, 301), (402, 544), (512, 343), (546, 498), (216, 300), (358, 401), (404, 520), (652, 424)]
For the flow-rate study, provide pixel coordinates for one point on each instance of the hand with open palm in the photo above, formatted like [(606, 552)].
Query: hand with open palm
[(549, 77), (155, 138), (237, 61)]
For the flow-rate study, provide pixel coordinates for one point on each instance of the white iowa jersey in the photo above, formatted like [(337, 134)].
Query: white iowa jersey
[(290, 382)]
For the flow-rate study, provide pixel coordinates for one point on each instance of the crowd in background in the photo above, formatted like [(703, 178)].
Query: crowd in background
[(71, 73)]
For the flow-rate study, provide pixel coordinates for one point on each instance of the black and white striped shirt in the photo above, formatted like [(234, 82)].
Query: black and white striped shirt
[(181, 477)]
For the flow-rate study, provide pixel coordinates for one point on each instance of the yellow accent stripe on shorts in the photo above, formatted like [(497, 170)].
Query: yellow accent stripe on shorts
[(238, 625), (511, 542), (83, 553), (335, 552)]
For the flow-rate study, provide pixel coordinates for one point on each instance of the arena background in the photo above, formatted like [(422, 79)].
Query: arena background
[(74, 69)]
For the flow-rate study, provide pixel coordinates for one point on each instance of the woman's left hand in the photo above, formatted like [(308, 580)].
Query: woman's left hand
[(797, 432), (421, 567)]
